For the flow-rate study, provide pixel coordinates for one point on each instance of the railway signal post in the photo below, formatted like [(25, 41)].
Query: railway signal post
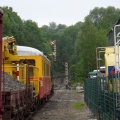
[(66, 74), (54, 52)]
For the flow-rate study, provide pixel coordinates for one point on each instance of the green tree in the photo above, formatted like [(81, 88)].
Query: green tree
[(88, 40), (104, 18), (76, 44), (13, 25)]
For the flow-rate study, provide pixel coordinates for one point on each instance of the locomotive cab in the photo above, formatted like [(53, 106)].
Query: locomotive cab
[(9, 56)]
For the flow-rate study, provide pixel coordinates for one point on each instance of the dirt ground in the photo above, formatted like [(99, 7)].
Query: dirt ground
[(60, 107)]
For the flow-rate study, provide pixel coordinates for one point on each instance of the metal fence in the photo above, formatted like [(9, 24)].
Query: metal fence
[(102, 96)]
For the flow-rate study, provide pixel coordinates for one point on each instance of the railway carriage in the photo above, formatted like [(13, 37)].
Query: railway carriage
[(26, 78), (17, 97), (28, 71), (39, 71)]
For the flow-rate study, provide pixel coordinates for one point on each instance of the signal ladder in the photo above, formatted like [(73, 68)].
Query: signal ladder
[(117, 65)]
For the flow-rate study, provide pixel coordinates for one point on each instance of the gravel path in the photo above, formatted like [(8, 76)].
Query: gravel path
[(60, 107)]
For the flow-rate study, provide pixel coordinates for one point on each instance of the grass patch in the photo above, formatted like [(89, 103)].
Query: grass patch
[(74, 91), (78, 105)]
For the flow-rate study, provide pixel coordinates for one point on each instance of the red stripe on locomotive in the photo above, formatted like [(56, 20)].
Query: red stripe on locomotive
[(45, 86)]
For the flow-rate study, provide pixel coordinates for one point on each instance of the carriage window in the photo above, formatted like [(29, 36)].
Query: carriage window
[(31, 69), (31, 63), (42, 67), (47, 69)]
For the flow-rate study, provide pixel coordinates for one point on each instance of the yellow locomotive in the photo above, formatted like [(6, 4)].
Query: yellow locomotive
[(30, 71), (9, 54), (11, 62), (23, 62), (110, 66)]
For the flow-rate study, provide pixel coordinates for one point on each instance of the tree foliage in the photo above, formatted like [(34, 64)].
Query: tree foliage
[(88, 40), (76, 44)]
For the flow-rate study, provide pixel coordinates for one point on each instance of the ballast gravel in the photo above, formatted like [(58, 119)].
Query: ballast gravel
[(59, 107), (10, 83)]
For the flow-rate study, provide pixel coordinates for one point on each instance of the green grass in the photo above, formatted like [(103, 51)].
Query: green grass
[(74, 91), (78, 105)]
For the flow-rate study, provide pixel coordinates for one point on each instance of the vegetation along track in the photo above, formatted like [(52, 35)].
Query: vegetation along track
[(64, 105)]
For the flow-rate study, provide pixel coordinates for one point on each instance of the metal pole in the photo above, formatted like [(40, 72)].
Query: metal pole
[(1, 34), (117, 62), (98, 50), (54, 51)]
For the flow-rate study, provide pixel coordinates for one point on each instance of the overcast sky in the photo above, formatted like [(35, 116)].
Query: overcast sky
[(66, 12)]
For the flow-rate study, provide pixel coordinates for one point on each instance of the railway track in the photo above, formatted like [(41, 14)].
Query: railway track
[(59, 107), (58, 87)]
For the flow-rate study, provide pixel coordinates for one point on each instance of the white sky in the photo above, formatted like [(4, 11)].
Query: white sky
[(66, 12)]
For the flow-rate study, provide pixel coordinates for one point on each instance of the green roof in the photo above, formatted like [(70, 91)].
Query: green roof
[(93, 73)]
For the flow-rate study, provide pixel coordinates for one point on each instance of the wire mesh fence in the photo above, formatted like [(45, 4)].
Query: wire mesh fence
[(102, 96)]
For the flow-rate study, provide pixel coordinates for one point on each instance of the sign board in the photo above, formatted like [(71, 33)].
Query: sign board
[(111, 70)]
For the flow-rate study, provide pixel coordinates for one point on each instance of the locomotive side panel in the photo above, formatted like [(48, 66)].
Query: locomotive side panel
[(109, 60), (34, 72), (46, 83), (39, 77)]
